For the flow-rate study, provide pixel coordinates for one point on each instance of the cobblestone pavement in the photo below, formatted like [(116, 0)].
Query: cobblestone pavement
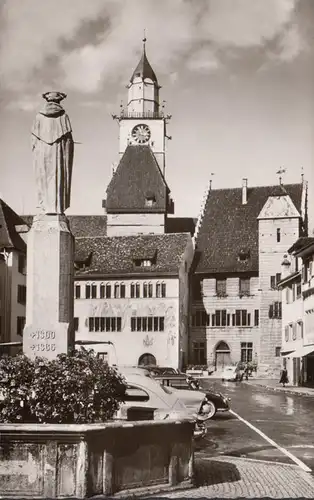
[(229, 477)]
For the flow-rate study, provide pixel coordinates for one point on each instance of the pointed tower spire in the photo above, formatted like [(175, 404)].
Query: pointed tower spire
[(143, 97)]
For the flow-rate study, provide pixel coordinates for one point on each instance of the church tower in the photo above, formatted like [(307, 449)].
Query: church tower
[(138, 198)]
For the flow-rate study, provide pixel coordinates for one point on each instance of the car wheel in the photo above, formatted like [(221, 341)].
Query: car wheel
[(210, 410)]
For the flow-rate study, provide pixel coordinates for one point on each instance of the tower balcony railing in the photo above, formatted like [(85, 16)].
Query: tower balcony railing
[(141, 114)]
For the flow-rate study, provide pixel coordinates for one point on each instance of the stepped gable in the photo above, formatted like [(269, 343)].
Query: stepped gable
[(228, 236), (81, 225), (9, 237), (137, 178), (121, 255)]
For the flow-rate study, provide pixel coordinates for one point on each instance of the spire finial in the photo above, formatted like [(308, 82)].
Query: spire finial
[(144, 39)]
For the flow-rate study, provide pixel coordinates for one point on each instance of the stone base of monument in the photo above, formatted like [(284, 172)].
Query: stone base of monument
[(116, 458), (49, 328)]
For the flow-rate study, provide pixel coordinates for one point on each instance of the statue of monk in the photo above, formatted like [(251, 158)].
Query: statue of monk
[(53, 148)]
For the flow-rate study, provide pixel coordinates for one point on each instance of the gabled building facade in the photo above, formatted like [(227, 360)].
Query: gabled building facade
[(12, 275), (241, 238), (297, 287)]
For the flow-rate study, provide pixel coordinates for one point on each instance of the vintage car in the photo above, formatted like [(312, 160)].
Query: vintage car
[(144, 391), (233, 373), (181, 381)]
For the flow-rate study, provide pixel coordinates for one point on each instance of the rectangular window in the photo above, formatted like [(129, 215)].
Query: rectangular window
[(21, 294), (278, 235), (139, 324), (256, 317), (133, 324), (91, 324), (278, 278), (77, 291), (76, 324), (135, 290), (150, 324), (161, 324), (287, 330), (156, 324), (21, 263), (275, 310), (273, 285), (244, 286), (199, 353), (220, 318), (94, 291), (242, 318), (221, 287), (300, 329), (246, 352), (20, 323), (97, 324), (147, 290), (87, 291), (200, 318), (104, 324), (299, 290), (277, 351)]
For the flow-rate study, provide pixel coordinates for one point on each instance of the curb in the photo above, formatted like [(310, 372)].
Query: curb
[(280, 389)]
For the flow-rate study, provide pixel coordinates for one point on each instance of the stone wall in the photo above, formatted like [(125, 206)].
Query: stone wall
[(66, 461)]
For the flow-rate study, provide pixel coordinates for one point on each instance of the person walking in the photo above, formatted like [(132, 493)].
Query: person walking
[(284, 377)]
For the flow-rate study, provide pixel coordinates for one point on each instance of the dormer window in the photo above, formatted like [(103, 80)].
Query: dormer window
[(243, 255), (143, 262), (150, 200)]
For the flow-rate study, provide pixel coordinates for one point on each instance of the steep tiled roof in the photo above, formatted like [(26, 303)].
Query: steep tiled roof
[(9, 237), (180, 225), (301, 243), (144, 69), (137, 177), (230, 228), (116, 255), (82, 225)]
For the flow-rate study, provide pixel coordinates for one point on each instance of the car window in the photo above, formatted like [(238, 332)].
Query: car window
[(133, 393), (167, 390)]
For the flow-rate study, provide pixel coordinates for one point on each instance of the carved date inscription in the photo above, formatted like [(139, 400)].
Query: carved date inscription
[(44, 337)]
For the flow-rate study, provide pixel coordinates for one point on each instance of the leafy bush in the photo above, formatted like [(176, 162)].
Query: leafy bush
[(76, 388)]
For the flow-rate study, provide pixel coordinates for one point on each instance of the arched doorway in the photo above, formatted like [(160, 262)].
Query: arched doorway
[(222, 355), (147, 359)]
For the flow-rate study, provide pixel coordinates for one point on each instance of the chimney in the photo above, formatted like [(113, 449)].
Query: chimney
[(244, 191)]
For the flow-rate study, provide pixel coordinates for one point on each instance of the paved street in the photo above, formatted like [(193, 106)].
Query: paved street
[(286, 419), (264, 449)]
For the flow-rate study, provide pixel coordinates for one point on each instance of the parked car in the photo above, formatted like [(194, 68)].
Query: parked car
[(216, 400), (144, 391), (233, 372), (161, 371)]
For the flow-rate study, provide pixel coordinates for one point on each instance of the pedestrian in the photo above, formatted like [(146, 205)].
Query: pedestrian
[(284, 377)]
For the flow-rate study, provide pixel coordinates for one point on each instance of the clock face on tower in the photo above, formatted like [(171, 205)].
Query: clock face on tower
[(141, 133)]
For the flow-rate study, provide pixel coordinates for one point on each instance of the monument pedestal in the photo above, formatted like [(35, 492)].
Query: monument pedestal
[(49, 328)]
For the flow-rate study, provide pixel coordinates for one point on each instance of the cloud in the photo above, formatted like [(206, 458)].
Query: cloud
[(42, 41)]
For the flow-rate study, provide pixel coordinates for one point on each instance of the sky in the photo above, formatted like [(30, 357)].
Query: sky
[(237, 77)]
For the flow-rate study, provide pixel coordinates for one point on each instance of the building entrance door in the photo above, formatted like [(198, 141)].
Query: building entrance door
[(222, 356)]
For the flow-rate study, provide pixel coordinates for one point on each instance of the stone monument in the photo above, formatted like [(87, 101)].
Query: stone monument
[(49, 328)]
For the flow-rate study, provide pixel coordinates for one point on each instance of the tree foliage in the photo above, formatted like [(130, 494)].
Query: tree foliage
[(76, 388)]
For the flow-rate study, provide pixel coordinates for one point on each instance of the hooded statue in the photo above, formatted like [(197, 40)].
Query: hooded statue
[(53, 148)]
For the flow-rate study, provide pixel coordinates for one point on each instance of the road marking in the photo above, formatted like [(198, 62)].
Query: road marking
[(270, 441)]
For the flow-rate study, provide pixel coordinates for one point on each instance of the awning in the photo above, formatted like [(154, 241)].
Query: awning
[(299, 353), (287, 354)]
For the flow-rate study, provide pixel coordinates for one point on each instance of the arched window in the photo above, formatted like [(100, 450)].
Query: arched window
[(160, 289), (147, 359), (147, 290), (222, 347), (94, 291), (87, 291)]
